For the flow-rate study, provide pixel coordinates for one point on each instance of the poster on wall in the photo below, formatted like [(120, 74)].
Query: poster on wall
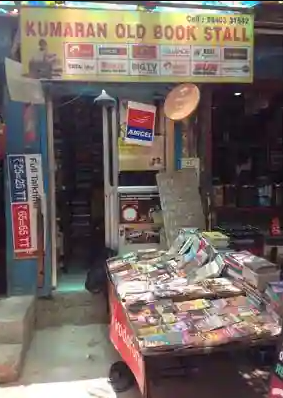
[(139, 208), (140, 124), (134, 234), (26, 188), (140, 219), (133, 46), (134, 157)]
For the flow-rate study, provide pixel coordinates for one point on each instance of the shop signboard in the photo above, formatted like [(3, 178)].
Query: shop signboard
[(135, 46), (26, 187)]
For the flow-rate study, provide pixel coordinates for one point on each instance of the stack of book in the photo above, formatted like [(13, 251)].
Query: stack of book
[(235, 263), (274, 294), (217, 239)]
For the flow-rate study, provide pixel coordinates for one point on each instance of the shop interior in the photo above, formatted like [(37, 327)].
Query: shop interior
[(78, 149), (247, 156)]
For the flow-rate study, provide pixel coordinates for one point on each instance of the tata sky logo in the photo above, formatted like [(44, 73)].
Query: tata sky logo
[(140, 124)]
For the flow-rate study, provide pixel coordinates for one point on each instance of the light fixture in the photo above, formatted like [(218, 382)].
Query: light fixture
[(105, 99), (237, 94)]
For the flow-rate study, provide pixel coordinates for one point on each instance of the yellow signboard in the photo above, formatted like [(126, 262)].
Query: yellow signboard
[(91, 45)]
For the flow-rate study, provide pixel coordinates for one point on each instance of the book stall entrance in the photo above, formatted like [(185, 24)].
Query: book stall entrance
[(189, 293)]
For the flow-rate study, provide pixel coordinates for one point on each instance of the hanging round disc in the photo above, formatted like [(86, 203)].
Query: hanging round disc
[(182, 101)]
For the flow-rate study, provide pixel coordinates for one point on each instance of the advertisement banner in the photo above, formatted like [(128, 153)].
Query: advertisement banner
[(123, 339), (140, 219), (139, 157), (26, 187), (133, 46), (138, 208), (140, 124)]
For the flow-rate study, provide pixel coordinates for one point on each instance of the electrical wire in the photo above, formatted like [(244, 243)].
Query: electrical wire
[(77, 97), (74, 99)]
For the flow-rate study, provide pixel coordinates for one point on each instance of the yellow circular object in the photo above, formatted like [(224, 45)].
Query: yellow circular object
[(182, 101)]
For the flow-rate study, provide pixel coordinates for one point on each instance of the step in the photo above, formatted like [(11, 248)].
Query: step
[(11, 362), (17, 323), (17, 316), (71, 308)]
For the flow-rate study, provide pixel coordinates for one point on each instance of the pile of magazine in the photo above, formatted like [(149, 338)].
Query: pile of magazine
[(182, 298)]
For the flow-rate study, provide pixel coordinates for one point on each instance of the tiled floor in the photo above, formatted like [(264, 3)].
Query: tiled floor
[(74, 281), (73, 362)]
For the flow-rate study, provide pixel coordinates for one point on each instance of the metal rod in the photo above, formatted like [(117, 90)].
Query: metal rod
[(107, 214), (115, 170), (52, 188)]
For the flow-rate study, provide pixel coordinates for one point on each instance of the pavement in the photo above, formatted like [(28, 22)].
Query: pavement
[(74, 361)]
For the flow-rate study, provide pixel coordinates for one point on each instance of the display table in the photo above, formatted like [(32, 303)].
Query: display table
[(139, 361), (168, 307)]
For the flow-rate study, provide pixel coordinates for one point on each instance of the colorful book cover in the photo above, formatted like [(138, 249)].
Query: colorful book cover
[(192, 340), (209, 323), (193, 305), (156, 340), (168, 318), (151, 330), (196, 315), (214, 337), (165, 306)]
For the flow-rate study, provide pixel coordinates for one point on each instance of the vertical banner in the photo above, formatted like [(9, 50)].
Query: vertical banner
[(26, 188), (140, 124)]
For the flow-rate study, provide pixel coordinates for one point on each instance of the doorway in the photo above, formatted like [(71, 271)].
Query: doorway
[(79, 184)]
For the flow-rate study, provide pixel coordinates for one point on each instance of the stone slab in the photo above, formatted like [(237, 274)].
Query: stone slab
[(72, 308), (16, 319), (11, 362), (180, 202)]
